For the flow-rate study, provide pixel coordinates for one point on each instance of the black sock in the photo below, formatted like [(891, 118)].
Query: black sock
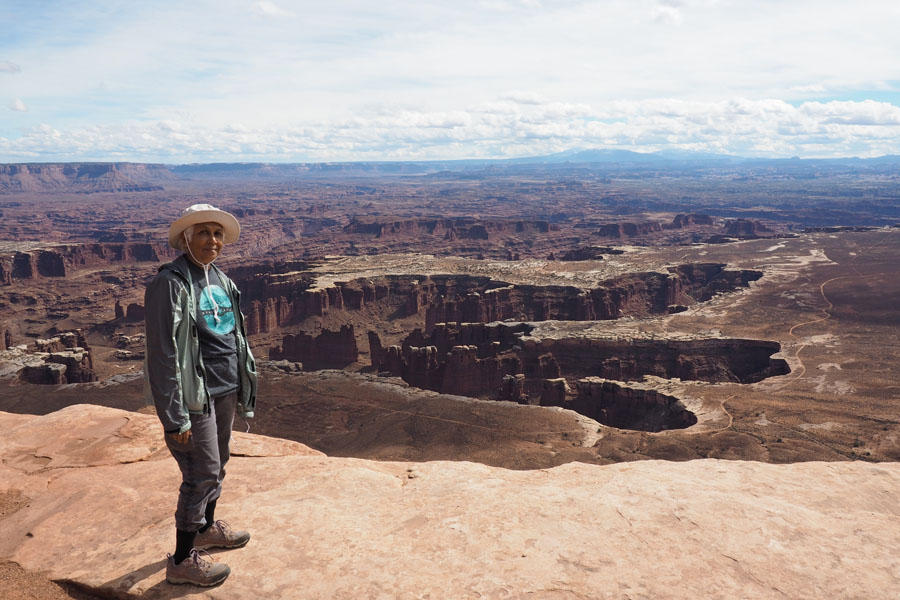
[(184, 543), (210, 515)]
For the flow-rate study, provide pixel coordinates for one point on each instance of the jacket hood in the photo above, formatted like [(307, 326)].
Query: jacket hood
[(181, 266)]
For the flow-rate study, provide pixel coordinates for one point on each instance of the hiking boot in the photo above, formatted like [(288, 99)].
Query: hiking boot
[(221, 535), (196, 570)]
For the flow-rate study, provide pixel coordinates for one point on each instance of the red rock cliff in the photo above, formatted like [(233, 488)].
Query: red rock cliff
[(474, 358), (329, 349), (275, 300), (59, 260)]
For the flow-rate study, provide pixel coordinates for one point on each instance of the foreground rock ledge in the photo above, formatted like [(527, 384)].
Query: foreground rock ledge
[(92, 491)]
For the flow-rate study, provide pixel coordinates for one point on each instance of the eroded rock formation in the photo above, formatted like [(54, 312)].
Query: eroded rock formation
[(628, 406), (276, 300), (65, 358), (502, 361), (134, 313), (64, 341), (463, 228), (44, 374), (687, 220), (329, 349), (586, 253), (636, 294), (59, 260), (701, 359), (129, 347), (746, 228), (624, 230), (81, 177), (627, 230)]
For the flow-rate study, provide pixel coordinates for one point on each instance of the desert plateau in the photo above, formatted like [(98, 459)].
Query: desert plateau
[(608, 376)]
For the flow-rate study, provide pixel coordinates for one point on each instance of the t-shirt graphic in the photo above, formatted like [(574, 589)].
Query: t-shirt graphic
[(225, 324), (217, 342)]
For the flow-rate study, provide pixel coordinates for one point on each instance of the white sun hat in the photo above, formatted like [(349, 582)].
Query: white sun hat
[(205, 213)]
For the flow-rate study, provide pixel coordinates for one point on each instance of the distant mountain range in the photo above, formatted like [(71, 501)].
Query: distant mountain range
[(685, 156), (132, 177)]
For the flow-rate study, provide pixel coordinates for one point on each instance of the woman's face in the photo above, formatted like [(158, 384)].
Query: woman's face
[(206, 242)]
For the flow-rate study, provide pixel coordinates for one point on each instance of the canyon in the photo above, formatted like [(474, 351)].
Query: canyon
[(277, 300), (59, 259), (523, 290), (621, 337), (524, 302), (473, 359)]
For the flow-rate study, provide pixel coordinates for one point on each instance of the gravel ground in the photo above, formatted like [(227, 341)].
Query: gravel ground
[(18, 584)]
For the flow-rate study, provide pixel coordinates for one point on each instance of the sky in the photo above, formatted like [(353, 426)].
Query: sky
[(348, 80)]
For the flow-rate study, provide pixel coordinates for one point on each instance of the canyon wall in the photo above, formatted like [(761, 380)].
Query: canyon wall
[(271, 302), (624, 230), (746, 228), (328, 350), (59, 260), (629, 407), (275, 300), (82, 177), (477, 359), (65, 358), (686, 220), (586, 253), (703, 359), (472, 228), (463, 228), (637, 294)]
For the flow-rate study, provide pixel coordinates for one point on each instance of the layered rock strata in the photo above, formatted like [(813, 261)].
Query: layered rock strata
[(631, 230), (65, 358), (129, 347), (60, 260), (629, 406), (501, 361), (587, 253), (693, 359), (327, 350), (279, 300), (746, 228), (463, 228), (81, 177)]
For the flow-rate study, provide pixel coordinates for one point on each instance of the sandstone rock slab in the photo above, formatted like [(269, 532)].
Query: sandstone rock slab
[(99, 512)]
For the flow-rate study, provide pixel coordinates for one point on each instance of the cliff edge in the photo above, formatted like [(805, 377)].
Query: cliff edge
[(90, 493)]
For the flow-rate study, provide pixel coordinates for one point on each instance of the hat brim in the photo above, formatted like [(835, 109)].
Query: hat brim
[(229, 224)]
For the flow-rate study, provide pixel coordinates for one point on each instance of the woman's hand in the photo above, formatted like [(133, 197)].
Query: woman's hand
[(180, 438)]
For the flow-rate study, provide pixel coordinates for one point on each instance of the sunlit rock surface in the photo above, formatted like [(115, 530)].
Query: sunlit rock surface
[(93, 492)]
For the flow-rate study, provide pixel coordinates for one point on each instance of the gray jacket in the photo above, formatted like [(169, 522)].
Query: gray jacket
[(173, 367)]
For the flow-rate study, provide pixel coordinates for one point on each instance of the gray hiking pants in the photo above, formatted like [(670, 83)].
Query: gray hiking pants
[(202, 461)]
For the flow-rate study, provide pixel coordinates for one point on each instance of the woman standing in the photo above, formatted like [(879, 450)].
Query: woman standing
[(199, 370)]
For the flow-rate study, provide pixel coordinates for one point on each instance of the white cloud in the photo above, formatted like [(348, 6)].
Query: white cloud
[(522, 97), (665, 13), (9, 67), (18, 105), (867, 112), (270, 9), (508, 5), (430, 78), (736, 126)]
